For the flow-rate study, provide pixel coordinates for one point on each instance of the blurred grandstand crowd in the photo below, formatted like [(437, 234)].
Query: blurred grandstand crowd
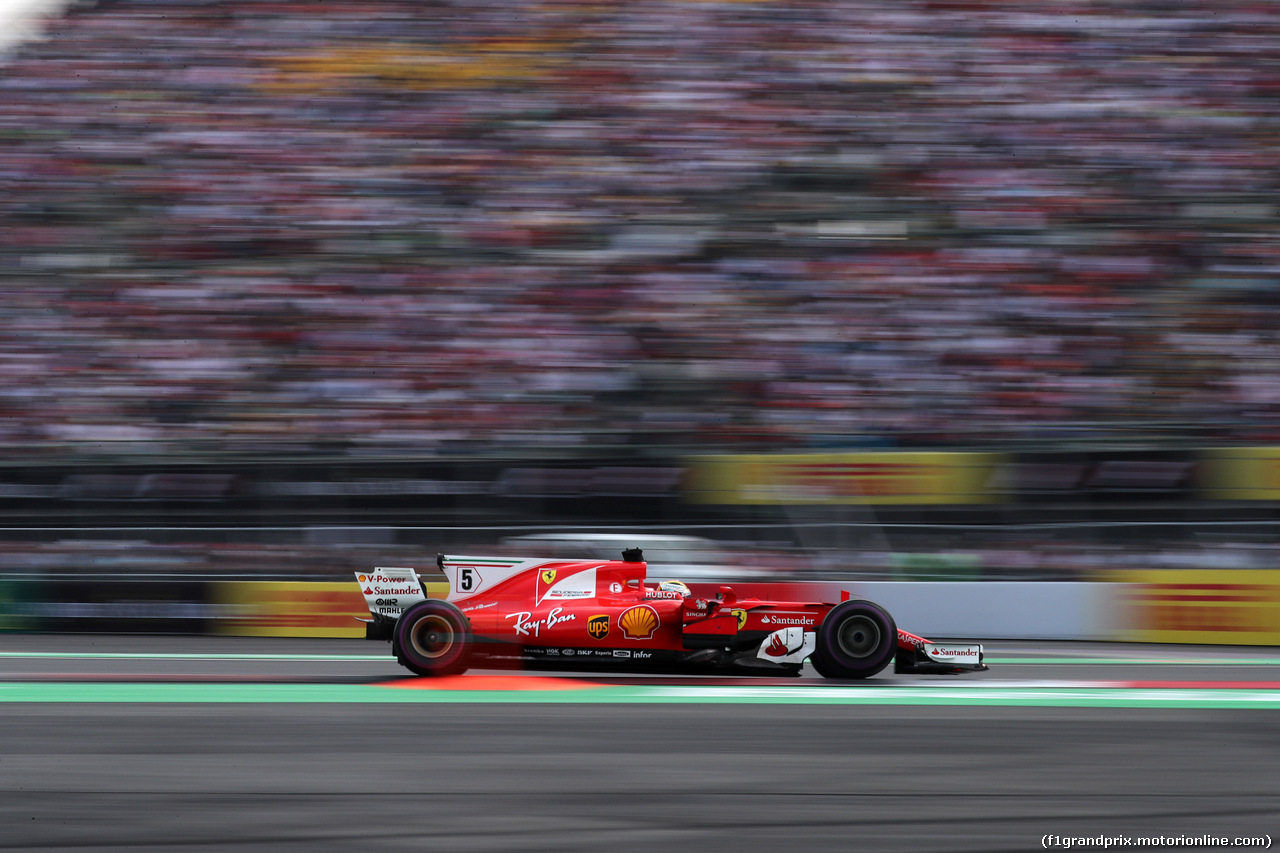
[(390, 225), (1041, 560)]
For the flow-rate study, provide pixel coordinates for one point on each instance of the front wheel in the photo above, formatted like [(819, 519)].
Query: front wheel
[(856, 640), (432, 638)]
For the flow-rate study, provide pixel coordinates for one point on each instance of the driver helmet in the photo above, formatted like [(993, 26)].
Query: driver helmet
[(675, 586)]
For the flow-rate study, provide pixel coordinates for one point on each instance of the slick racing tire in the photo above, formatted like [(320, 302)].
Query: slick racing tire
[(432, 638), (820, 666), (856, 640)]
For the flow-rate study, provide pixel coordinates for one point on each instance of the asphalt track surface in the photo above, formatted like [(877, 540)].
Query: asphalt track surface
[(112, 743)]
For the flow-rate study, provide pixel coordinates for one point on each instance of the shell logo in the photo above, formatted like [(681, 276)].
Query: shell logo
[(639, 622), (364, 578)]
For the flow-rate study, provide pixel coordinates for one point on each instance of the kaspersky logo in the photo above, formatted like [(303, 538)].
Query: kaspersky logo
[(598, 626)]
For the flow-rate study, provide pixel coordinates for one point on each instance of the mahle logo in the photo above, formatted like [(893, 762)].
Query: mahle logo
[(598, 626)]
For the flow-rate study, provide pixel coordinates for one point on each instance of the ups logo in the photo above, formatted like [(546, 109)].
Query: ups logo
[(598, 626)]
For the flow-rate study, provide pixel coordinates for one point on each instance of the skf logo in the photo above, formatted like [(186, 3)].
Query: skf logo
[(742, 618), (639, 622), (598, 626), (549, 577)]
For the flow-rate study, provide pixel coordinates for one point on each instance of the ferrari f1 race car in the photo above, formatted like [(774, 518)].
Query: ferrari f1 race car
[(594, 614)]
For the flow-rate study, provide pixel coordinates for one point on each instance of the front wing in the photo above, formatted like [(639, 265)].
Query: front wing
[(939, 658)]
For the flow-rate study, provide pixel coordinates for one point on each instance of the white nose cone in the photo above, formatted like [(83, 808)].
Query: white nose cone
[(788, 645), (954, 652)]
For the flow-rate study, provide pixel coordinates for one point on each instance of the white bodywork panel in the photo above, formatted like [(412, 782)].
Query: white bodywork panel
[(788, 645), (469, 576), (390, 591), (957, 653)]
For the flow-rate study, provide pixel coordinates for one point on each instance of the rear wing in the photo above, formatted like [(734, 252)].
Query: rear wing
[(388, 592)]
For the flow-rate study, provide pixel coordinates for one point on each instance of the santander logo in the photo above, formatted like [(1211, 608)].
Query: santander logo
[(777, 647)]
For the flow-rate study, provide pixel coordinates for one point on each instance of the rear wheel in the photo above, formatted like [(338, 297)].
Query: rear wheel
[(433, 638), (856, 640)]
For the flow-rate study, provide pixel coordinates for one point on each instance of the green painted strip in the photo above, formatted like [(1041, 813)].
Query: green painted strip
[(1016, 697), (993, 661), (23, 692), (263, 693)]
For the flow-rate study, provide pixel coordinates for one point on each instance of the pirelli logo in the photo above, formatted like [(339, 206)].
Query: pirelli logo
[(1225, 606), (836, 480), (899, 477), (1217, 608)]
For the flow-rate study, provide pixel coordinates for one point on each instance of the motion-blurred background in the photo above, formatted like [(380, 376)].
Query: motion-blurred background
[(846, 289)]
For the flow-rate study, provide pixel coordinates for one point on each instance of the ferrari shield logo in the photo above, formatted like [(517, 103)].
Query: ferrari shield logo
[(742, 618), (598, 626), (549, 577)]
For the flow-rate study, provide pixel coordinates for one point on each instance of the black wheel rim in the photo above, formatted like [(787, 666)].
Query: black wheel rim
[(858, 636), (432, 637)]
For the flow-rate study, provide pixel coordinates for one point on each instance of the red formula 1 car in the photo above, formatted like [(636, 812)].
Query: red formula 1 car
[(579, 614)]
